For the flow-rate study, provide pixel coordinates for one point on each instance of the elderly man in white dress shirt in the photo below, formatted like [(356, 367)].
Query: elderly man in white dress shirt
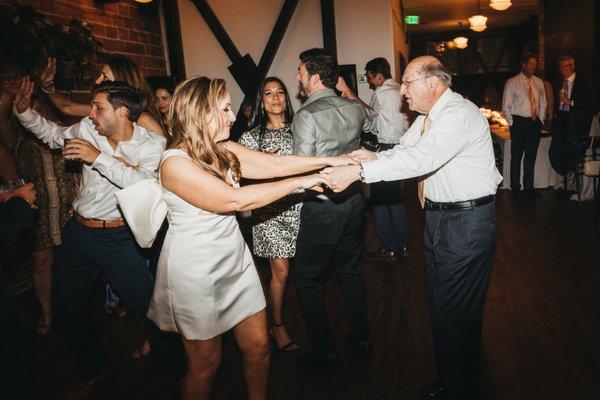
[(388, 121), (116, 153), (524, 106), (450, 148)]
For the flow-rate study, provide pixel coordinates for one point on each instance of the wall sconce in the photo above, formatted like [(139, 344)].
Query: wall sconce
[(477, 22), (460, 42), (500, 5)]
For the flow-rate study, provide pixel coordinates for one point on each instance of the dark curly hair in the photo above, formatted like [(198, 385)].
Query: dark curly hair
[(319, 61), (122, 94)]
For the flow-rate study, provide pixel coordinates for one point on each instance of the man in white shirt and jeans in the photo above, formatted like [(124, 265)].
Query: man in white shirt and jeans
[(116, 153), (450, 147), (524, 106), (387, 120)]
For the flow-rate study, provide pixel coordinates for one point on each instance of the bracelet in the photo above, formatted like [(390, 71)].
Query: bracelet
[(50, 91)]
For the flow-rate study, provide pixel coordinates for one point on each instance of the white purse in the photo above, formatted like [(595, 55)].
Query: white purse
[(591, 166), (144, 209)]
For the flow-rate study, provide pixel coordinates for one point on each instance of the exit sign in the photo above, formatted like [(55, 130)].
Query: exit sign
[(411, 19)]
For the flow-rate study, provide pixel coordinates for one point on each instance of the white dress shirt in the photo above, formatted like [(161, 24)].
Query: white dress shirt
[(99, 181), (515, 100), (571, 80), (385, 118), (455, 153)]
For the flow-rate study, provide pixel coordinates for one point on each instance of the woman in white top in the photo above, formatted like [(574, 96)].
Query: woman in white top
[(206, 282)]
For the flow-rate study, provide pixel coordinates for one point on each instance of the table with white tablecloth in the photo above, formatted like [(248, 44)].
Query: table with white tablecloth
[(544, 174)]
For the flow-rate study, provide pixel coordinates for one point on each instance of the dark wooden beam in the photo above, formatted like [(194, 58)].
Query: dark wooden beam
[(501, 54), (328, 22), (174, 41), (218, 30), (283, 21)]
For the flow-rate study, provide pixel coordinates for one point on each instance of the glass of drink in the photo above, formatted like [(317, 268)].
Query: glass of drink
[(73, 165)]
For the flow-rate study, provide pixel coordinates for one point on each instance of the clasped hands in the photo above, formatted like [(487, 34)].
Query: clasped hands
[(338, 178)]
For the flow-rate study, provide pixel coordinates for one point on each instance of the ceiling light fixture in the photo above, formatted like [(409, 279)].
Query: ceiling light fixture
[(143, 1), (477, 22), (500, 5), (460, 42)]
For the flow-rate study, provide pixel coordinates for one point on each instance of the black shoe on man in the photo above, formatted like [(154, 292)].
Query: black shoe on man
[(386, 255), (532, 194), (433, 392), (364, 348)]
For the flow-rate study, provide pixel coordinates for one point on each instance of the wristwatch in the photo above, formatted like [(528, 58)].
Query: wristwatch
[(361, 173)]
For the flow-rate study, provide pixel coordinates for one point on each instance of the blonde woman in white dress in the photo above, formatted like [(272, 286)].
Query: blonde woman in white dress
[(206, 282)]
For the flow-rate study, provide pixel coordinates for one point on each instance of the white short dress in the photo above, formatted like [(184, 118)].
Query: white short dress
[(206, 281)]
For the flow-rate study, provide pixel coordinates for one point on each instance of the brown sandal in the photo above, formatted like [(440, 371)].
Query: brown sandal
[(44, 324), (288, 348)]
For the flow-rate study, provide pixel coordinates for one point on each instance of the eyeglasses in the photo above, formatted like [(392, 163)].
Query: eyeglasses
[(406, 83)]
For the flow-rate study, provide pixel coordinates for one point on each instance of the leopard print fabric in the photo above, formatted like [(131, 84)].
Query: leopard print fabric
[(276, 225)]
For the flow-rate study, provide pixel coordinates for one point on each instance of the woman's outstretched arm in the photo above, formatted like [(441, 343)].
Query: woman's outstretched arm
[(182, 177), (257, 165)]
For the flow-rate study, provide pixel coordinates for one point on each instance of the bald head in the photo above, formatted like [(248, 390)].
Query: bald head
[(424, 82)]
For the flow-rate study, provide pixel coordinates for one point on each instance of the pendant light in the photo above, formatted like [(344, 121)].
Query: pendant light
[(500, 5), (477, 22), (460, 42)]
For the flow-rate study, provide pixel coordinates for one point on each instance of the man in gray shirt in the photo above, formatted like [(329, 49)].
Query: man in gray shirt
[(331, 225)]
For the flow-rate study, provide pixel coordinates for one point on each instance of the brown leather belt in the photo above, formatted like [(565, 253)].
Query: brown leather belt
[(98, 223)]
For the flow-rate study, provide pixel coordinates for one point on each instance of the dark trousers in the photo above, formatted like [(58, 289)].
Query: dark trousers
[(389, 214), (525, 135), (16, 365), (459, 251), (331, 231), (84, 253)]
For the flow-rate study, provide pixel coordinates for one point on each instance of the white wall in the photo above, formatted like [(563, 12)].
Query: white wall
[(363, 28)]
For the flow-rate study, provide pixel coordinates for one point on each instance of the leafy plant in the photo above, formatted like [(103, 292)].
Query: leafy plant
[(27, 39)]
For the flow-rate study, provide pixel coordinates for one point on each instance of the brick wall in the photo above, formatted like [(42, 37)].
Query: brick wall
[(120, 27)]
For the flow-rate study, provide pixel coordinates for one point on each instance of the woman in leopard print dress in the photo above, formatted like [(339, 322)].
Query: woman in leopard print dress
[(276, 225)]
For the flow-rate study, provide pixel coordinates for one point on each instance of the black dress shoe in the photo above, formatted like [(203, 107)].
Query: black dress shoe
[(315, 361), (532, 194), (385, 255), (364, 348), (433, 392)]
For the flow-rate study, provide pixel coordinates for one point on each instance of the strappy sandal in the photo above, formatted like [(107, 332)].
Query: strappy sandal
[(142, 351), (44, 324), (288, 348)]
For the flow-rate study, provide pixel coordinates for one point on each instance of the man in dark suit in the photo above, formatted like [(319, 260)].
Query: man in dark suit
[(574, 111)]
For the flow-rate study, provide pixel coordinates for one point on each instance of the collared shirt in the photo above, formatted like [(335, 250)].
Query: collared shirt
[(571, 80), (516, 97), (385, 117), (100, 180), (455, 153), (327, 125)]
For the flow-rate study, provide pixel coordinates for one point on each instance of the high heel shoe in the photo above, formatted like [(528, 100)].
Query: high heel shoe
[(142, 351), (44, 324), (288, 348)]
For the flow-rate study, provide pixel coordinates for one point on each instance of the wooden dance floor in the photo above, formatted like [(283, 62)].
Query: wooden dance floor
[(541, 334)]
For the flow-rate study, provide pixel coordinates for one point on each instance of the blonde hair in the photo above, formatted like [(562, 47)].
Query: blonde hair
[(195, 119)]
